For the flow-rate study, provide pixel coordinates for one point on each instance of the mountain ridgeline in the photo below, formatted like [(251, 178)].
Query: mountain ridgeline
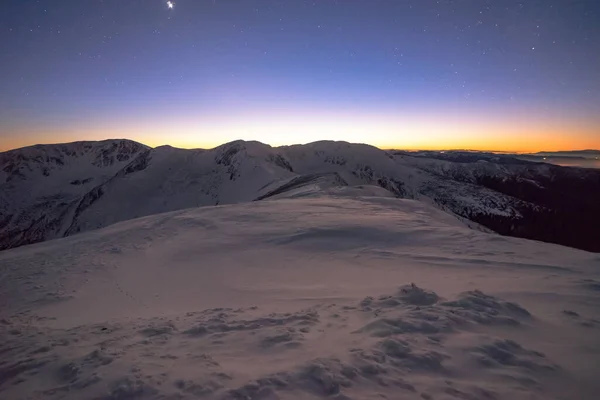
[(52, 191)]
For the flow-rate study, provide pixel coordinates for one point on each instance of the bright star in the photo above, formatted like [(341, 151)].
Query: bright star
[(170, 4)]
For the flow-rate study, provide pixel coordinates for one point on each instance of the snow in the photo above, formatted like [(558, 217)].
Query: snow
[(326, 292)]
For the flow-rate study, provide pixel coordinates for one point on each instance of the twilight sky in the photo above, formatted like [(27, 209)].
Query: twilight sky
[(478, 74)]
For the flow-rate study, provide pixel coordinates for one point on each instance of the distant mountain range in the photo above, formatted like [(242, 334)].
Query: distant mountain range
[(52, 191), (572, 158), (579, 158), (571, 153)]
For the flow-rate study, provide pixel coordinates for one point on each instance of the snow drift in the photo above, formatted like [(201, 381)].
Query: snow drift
[(345, 293)]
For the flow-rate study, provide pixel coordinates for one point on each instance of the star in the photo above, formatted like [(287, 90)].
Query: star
[(170, 4)]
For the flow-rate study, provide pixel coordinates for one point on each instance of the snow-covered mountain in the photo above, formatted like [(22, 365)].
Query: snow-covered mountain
[(554, 204), (59, 190), (40, 186)]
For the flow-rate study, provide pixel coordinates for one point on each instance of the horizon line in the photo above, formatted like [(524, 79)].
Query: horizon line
[(384, 148)]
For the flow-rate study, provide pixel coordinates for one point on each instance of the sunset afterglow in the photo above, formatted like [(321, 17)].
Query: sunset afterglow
[(410, 75)]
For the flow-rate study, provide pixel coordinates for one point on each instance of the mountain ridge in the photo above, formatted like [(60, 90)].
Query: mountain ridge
[(51, 191)]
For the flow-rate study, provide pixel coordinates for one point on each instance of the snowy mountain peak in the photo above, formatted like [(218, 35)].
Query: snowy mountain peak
[(44, 160), (40, 185)]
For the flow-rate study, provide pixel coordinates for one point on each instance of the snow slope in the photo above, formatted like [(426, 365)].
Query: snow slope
[(346, 293)]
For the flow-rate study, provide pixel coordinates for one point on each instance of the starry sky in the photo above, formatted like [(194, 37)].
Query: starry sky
[(497, 75)]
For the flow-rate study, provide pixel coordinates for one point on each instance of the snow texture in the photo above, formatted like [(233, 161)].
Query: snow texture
[(343, 292)]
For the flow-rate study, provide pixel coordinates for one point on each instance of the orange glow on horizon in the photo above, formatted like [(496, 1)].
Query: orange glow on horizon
[(409, 132)]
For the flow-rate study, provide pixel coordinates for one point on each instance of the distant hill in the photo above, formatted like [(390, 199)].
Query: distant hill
[(570, 153)]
